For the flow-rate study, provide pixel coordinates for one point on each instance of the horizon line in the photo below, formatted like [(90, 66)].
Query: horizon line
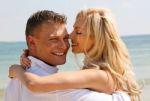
[(132, 35)]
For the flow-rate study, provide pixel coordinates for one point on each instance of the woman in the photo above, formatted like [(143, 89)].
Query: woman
[(106, 56)]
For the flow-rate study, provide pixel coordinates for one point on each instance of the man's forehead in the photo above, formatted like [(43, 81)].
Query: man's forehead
[(55, 28), (58, 34), (59, 31)]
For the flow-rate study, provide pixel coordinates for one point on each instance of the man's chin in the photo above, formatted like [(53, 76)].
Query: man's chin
[(60, 61)]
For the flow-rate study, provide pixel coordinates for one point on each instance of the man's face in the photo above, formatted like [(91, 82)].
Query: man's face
[(51, 43)]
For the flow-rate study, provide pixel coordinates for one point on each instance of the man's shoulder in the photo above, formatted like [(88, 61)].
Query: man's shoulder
[(14, 82), (13, 91)]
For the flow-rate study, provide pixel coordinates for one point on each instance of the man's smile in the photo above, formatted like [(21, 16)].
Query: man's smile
[(59, 53)]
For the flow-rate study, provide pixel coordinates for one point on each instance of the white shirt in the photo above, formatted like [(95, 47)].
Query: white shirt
[(18, 92)]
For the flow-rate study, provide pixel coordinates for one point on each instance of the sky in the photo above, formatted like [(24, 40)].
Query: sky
[(132, 16)]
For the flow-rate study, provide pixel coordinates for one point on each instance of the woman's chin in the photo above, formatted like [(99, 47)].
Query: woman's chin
[(76, 51)]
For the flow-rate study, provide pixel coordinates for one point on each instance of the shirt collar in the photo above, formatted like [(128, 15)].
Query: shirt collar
[(40, 64)]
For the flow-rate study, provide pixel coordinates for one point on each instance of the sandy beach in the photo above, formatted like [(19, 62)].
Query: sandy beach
[(1, 94)]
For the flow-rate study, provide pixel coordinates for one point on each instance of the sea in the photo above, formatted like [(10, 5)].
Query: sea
[(139, 49)]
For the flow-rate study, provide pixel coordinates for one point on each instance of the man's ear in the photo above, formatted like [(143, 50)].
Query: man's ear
[(31, 42)]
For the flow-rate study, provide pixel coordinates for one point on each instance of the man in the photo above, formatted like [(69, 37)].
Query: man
[(47, 40)]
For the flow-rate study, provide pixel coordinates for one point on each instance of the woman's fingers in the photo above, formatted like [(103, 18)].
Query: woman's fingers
[(25, 52), (25, 62)]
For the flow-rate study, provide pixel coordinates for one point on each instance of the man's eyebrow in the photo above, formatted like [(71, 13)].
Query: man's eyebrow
[(53, 36)]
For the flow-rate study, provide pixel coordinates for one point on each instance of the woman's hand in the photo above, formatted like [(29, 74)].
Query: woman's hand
[(14, 70), (24, 61)]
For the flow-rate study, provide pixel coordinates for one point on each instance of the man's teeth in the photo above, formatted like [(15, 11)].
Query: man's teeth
[(59, 54)]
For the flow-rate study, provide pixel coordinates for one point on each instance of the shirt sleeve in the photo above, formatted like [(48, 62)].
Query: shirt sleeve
[(13, 91)]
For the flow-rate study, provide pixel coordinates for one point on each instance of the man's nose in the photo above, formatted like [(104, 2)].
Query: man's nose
[(63, 45), (71, 35)]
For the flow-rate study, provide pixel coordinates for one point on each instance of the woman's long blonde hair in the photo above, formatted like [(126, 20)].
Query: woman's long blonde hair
[(109, 52)]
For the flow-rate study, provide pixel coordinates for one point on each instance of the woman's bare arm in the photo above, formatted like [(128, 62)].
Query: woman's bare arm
[(94, 79)]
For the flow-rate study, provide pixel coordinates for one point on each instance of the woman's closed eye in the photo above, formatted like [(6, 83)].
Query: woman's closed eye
[(78, 33)]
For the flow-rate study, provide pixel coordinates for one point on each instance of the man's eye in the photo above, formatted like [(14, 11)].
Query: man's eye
[(52, 39)]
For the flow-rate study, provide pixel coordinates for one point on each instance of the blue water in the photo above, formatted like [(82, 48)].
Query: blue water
[(139, 48)]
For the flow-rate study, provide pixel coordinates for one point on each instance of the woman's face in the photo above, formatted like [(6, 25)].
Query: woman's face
[(79, 37)]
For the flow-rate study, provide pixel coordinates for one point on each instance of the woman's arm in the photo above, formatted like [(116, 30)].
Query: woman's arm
[(94, 79)]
